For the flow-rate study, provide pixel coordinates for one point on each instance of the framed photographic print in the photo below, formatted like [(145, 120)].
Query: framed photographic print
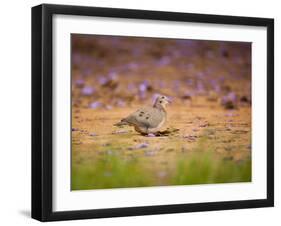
[(145, 112)]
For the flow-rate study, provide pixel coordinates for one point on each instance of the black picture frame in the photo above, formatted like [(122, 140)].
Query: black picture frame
[(42, 107)]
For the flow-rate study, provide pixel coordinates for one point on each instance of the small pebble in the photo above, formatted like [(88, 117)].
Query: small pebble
[(205, 124), (190, 137), (119, 131), (93, 134)]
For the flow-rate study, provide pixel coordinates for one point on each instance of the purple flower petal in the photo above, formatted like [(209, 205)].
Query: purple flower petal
[(155, 96), (95, 105), (164, 61), (142, 145), (113, 75), (200, 88), (232, 96), (121, 103), (142, 87), (79, 82), (88, 90), (142, 95), (102, 80), (231, 114)]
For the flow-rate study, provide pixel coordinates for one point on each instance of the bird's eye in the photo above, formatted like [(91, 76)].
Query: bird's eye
[(160, 101), (162, 97)]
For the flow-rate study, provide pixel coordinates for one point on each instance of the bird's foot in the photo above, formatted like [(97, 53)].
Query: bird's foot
[(150, 135)]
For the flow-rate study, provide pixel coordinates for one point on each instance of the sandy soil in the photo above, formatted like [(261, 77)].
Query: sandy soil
[(228, 131)]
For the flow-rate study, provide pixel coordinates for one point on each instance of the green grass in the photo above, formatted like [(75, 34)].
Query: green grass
[(204, 168), (112, 172), (199, 166)]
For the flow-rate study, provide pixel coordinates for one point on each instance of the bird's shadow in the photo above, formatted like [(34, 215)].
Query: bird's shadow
[(167, 132)]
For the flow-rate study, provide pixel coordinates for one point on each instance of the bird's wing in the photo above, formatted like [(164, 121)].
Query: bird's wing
[(146, 117)]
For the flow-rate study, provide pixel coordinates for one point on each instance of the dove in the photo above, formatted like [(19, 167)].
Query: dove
[(148, 120)]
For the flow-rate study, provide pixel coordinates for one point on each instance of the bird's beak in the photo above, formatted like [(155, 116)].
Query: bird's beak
[(169, 100)]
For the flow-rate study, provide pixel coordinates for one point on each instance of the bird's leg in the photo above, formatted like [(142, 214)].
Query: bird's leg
[(150, 135)]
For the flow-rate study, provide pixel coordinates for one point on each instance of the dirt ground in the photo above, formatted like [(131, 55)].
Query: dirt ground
[(229, 133)]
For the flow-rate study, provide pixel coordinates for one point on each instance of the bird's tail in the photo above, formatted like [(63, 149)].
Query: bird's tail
[(121, 123)]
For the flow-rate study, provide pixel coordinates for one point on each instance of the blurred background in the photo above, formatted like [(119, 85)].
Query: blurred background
[(111, 71)]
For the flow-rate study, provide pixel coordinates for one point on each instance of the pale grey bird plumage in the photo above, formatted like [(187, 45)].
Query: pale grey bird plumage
[(148, 119)]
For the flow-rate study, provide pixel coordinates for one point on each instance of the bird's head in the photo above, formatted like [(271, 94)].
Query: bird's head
[(161, 101)]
